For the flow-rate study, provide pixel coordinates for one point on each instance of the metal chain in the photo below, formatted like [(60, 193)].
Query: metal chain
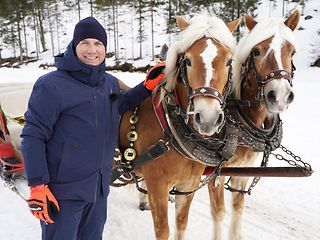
[(295, 162)]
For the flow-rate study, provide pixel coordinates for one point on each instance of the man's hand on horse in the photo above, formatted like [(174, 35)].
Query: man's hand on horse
[(154, 76), (42, 203)]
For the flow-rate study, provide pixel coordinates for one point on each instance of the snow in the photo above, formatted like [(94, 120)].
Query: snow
[(279, 208)]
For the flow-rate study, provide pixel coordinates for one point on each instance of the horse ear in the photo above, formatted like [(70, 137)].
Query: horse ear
[(293, 20), (234, 24), (249, 22), (182, 23)]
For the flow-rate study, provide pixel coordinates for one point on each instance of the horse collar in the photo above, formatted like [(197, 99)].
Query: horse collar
[(188, 142), (250, 135)]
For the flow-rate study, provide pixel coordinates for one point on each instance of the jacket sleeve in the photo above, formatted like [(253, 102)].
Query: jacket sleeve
[(41, 115), (132, 98)]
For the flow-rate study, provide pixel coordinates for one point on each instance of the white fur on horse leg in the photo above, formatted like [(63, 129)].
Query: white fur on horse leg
[(180, 202), (238, 207), (217, 208), (236, 226), (218, 225), (143, 199), (179, 235)]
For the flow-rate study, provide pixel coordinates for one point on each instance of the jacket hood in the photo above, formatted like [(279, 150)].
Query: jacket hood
[(87, 74)]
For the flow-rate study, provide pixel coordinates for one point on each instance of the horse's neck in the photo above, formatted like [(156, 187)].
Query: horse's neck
[(259, 115)]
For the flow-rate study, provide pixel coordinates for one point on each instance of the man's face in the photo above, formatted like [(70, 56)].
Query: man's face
[(91, 51)]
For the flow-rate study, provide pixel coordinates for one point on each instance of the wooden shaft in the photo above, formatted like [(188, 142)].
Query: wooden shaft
[(265, 171)]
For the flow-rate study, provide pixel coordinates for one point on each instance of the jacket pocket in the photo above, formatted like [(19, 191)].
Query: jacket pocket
[(70, 161), (78, 161)]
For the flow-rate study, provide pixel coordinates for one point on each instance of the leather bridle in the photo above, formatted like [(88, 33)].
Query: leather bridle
[(249, 67), (183, 63)]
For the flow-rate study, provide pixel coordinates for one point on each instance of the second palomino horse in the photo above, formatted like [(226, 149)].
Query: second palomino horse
[(262, 89)]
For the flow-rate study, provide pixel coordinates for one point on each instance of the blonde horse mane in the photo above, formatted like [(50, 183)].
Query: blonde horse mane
[(199, 26)]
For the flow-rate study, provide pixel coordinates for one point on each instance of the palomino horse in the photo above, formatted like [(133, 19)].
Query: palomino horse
[(262, 88), (204, 50)]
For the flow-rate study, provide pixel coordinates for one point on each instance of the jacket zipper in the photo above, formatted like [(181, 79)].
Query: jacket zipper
[(95, 102)]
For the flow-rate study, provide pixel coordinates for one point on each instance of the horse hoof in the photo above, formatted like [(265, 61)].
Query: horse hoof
[(144, 206)]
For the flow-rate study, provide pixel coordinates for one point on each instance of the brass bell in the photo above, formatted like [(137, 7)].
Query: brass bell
[(130, 154), (133, 119), (132, 136)]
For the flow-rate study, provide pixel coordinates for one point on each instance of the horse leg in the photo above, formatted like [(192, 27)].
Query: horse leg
[(216, 196), (158, 200), (238, 206), (182, 206), (143, 198)]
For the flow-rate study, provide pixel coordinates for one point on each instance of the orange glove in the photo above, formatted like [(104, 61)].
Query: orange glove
[(154, 76), (42, 203)]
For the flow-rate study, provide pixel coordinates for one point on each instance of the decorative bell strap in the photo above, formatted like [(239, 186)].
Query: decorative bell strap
[(207, 92)]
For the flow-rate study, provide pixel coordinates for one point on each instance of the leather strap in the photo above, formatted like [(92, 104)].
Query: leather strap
[(151, 153)]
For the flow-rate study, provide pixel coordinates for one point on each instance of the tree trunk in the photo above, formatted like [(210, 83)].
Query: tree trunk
[(140, 30), (91, 8), (79, 9), (152, 30), (36, 35), (132, 33), (13, 40), (115, 30), (58, 27), (39, 16), (19, 38), (25, 36)]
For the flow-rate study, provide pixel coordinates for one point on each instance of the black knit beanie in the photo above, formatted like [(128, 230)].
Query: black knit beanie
[(89, 28)]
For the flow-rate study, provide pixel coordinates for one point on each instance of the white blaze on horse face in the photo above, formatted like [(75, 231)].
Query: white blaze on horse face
[(275, 46), (208, 55), (279, 91)]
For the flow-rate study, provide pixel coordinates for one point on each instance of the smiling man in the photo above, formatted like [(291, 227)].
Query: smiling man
[(71, 130)]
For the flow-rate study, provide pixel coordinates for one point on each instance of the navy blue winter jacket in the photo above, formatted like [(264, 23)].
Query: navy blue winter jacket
[(72, 126)]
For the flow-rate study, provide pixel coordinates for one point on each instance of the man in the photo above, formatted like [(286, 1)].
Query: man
[(71, 130)]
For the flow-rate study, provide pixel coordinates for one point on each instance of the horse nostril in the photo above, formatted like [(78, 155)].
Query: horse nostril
[(290, 97), (197, 118), (220, 119), (271, 96)]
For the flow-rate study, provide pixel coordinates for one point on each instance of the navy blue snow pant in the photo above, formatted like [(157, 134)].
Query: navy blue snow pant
[(77, 220)]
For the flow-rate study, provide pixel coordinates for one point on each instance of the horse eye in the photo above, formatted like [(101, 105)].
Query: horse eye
[(293, 52), (229, 62), (188, 62), (256, 52)]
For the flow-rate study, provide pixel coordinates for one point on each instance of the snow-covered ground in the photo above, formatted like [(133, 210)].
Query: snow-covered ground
[(279, 208)]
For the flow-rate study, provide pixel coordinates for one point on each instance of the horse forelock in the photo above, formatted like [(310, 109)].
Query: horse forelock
[(200, 26), (265, 28)]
